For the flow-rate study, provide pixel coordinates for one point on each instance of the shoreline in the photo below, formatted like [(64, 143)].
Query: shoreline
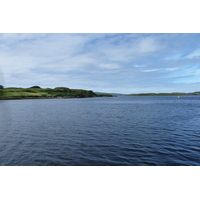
[(32, 98), (29, 98)]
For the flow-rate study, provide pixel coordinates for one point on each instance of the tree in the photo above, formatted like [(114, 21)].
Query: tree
[(1, 90), (35, 87)]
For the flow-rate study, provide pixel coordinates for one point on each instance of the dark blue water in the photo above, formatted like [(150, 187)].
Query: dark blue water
[(135, 131)]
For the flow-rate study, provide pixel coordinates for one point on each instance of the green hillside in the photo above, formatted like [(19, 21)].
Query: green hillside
[(37, 92)]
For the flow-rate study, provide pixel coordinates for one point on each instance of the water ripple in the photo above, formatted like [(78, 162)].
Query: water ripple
[(123, 131)]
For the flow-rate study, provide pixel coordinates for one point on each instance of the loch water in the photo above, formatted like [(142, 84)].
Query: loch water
[(106, 131)]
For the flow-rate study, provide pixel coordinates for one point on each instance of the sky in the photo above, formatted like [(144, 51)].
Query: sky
[(115, 63)]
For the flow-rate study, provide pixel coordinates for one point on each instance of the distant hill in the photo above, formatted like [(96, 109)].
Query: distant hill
[(164, 94), (36, 92), (114, 94)]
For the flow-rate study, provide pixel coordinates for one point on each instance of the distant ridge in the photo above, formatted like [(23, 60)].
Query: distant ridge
[(164, 94), (36, 92), (114, 94)]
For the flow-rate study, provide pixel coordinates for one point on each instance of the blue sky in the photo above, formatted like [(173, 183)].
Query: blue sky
[(121, 63)]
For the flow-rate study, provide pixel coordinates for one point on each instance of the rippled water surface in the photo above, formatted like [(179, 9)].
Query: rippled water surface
[(155, 130)]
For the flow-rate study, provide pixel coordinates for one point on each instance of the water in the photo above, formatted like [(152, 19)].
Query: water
[(134, 131)]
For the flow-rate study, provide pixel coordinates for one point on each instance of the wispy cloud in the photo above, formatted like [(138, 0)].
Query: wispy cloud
[(124, 63)]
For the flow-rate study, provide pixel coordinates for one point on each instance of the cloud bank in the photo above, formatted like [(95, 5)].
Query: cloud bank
[(123, 63)]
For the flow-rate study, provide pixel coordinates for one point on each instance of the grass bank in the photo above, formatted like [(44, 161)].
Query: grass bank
[(43, 93)]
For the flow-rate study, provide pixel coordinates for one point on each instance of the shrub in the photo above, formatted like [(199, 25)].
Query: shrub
[(35, 87)]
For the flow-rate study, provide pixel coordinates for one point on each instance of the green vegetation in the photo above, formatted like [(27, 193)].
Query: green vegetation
[(35, 87), (165, 94), (1, 90), (37, 92)]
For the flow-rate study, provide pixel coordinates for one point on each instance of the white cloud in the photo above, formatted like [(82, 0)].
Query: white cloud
[(149, 70), (138, 66), (197, 72), (171, 69), (194, 54), (148, 45), (109, 66), (114, 61)]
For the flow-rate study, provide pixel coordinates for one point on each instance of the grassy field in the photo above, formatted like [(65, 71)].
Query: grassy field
[(37, 92)]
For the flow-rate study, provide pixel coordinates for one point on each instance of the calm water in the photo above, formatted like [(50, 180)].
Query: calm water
[(156, 130)]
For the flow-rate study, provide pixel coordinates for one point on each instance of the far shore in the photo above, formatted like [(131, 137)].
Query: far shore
[(164, 94), (32, 98), (36, 92)]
